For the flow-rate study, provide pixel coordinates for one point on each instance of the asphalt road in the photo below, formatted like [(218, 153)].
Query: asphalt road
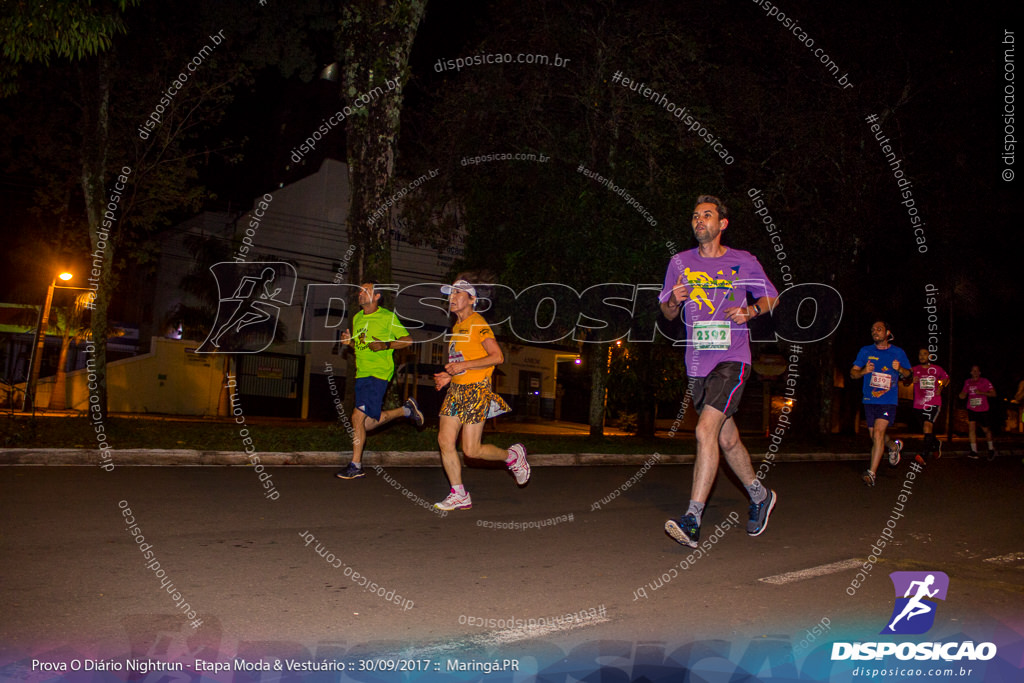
[(284, 576)]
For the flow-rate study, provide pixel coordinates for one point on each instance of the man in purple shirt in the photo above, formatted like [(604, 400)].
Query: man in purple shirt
[(709, 285)]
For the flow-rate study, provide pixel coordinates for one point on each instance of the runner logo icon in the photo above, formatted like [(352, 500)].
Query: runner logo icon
[(916, 596), (250, 296)]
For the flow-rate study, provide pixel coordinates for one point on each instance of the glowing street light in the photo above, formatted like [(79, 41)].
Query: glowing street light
[(36, 359)]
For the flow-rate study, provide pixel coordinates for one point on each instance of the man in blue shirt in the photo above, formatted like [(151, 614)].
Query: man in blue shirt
[(881, 365)]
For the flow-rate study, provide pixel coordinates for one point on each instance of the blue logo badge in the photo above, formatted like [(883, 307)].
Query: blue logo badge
[(917, 594)]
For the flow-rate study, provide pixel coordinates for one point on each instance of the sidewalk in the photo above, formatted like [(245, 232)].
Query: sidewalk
[(389, 459), (793, 448)]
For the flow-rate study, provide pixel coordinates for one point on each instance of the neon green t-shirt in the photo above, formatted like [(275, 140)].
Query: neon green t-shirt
[(381, 325)]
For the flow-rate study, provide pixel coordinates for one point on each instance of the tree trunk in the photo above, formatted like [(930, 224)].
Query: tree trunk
[(597, 358), (647, 403), (95, 86), (826, 384), (377, 39), (599, 352)]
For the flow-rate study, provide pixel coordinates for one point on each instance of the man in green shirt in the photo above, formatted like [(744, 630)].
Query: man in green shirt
[(376, 333)]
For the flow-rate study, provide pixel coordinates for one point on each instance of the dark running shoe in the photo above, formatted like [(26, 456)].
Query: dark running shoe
[(685, 531), (415, 414), (350, 472), (759, 514), (868, 477)]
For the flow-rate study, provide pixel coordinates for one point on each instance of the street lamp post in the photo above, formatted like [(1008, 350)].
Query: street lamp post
[(36, 358)]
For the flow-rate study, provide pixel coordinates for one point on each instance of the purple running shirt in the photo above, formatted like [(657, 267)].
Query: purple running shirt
[(715, 284)]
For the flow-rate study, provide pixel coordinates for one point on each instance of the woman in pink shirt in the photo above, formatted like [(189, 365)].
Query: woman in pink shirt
[(978, 390)]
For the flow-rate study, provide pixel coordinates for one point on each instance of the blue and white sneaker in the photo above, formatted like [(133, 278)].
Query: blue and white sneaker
[(415, 414), (759, 514), (685, 531), (350, 472)]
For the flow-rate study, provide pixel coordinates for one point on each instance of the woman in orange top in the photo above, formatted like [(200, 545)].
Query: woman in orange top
[(472, 355)]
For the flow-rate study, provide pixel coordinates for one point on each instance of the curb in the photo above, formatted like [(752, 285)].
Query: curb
[(145, 457)]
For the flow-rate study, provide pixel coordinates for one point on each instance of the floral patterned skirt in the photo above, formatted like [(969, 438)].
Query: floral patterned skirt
[(473, 403)]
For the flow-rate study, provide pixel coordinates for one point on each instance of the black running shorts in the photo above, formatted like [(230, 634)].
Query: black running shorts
[(722, 389)]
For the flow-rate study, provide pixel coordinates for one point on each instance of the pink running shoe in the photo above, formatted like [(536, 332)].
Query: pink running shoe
[(519, 467), (454, 501)]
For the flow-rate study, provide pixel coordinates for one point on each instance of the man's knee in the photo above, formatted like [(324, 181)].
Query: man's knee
[(728, 441), (706, 433), (709, 426)]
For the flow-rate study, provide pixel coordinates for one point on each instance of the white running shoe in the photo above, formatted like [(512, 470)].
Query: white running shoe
[(519, 467), (894, 453), (454, 501)]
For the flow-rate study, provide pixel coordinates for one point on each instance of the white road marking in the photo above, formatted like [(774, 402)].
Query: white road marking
[(493, 639), (821, 570), (511, 635), (1007, 558)]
